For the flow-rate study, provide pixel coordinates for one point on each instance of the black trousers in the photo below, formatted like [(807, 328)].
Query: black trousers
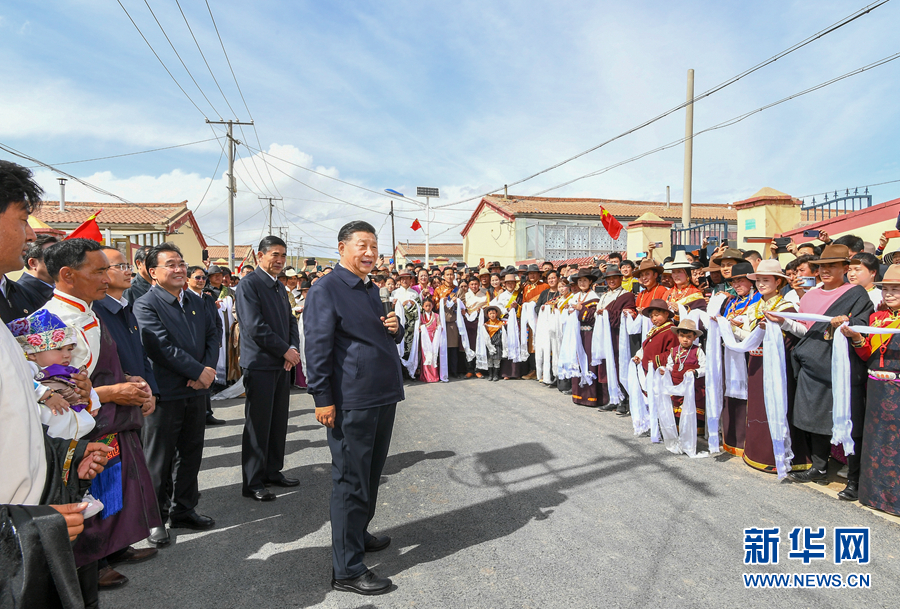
[(88, 580), (176, 428), (820, 450), (265, 426), (452, 361), (359, 444)]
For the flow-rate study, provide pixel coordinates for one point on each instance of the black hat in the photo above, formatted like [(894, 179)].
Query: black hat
[(533, 268), (305, 285), (523, 267), (612, 270), (494, 264), (741, 269), (584, 273), (212, 270)]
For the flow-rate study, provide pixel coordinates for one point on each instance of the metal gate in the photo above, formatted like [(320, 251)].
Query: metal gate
[(691, 238), (837, 205)]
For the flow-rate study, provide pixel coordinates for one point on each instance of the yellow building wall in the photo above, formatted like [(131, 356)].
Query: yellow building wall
[(187, 242), (640, 238), (489, 239), (765, 221)]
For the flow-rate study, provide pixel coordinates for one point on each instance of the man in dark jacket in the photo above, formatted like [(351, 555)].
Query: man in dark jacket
[(354, 377), (140, 283), (36, 281), (269, 350), (180, 338)]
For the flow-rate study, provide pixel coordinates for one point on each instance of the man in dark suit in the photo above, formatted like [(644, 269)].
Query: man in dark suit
[(36, 281), (354, 376), (140, 283), (181, 341), (269, 350)]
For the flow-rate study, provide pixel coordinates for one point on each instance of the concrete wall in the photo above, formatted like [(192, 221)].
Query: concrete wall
[(188, 243), (489, 239), (645, 230)]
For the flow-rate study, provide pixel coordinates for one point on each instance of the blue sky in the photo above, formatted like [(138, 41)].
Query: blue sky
[(465, 96)]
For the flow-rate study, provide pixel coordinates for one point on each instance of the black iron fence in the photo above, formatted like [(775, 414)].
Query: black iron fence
[(836, 205)]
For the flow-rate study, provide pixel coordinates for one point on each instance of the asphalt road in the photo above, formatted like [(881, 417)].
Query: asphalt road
[(507, 495)]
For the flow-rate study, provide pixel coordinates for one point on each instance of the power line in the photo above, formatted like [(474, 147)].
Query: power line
[(212, 178), (727, 123), (155, 54), (116, 156), (161, 29), (851, 188), (806, 41)]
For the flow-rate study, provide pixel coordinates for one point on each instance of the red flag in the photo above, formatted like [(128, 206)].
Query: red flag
[(612, 226), (88, 230), (416, 225)]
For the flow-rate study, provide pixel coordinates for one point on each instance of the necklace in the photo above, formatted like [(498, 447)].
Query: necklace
[(734, 311), (681, 360)]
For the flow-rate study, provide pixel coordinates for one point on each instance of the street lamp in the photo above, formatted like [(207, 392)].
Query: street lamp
[(427, 192)]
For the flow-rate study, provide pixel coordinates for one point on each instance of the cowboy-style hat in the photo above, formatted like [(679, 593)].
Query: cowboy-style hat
[(212, 270), (679, 262), (612, 270), (533, 268), (688, 325), (483, 272), (494, 265), (834, 253), (584, 273), (657, 304), (769, 268), (510, 277), (741, 269), (648, 264), (405, 273), (891, 257), (713, 268), (495, 307), (891, 276), (729, 254)]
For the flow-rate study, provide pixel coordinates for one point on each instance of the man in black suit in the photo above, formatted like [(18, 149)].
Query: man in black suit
[(181, 341), (36, 281), (269, 350), (354, 376), (140, 283)]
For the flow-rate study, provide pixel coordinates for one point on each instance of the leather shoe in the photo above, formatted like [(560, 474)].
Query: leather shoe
[(608, 407), (192, 520), (211, 420), (469, 375), (260, 494), (810, 475), (367, 583), (108, 578), (132, 556), (850, 492), (285, 482), (159, 536), (623, 413), (377, 544)]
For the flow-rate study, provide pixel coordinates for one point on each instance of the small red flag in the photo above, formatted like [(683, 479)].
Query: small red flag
[(612, 226), (416, 225), (88, 230)]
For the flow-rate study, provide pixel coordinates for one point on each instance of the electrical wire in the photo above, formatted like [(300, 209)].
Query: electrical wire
[(806, 41), (727, 123), (155, 54), (116, 156), (161, 29), (854, 188), (212, 178)]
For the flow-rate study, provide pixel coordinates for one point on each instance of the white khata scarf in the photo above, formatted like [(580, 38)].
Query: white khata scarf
[(776, 398), (602, 353), (687, 423), (842, 426), (482, 344), (461, 328), (528, 320), (544, 337), (413, 362), (735, 363), (662, 417), (573, 361)]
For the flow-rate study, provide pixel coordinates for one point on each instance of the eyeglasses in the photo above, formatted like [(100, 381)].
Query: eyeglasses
[(173, 267), (124, 266), (199, 277)]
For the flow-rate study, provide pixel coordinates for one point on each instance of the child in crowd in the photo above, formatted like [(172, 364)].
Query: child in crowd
[(494, 326), (48, 344), (688, 358), (659, 342), (430, 341)]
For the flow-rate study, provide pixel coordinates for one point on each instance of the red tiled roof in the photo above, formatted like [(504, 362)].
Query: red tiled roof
[(434, 249), (113, 213), (623, 210), (241, 252)]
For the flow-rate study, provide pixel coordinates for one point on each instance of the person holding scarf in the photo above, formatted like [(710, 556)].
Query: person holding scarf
[(811, 359), (546, 318), (509, 300), (758, 451), (493, 326), (429, 342), (688, 358), (879, 477), (648, 275), (585, 305), (660, 341), (407, 298), (475, 299), (614, 301), (684, 293), (447, 292), (562, 308), (423, 285), (734, 410), (531, 291)]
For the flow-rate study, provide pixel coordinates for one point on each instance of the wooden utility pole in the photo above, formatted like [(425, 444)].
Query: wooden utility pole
[(688, 151), (232, 184)]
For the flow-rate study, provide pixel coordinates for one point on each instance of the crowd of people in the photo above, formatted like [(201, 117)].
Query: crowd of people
[(110, 367), (625, 337)]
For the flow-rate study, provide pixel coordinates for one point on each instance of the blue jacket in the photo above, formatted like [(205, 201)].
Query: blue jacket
[(179, 342), (119, 321), (38, 292), (268, 328), (351, 358)]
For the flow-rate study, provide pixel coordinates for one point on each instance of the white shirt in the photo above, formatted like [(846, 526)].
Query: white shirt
[(77, 313), (402, 294), (21, 434)]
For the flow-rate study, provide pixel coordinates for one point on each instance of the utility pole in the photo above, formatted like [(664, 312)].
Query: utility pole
[(393, 246), (270, 199), (232, 185), (688, 151)]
